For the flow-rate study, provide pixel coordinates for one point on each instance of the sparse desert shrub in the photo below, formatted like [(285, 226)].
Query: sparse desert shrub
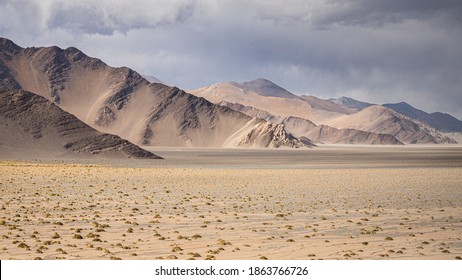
[(177, 249), (92, 235), (61, 251), (78, 236), (23, 245)]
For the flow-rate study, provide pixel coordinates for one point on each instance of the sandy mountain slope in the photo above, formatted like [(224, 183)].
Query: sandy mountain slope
[(457, 136), (119, 101), (279, 106), (384, 120), (326, 105), (33, 126), (252, 112), (329, 135)]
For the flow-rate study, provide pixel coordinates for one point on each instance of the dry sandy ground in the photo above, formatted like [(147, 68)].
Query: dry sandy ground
[(312, 209)]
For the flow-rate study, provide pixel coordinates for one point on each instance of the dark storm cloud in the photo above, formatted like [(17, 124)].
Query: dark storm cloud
[(380, 12), (379, 51)]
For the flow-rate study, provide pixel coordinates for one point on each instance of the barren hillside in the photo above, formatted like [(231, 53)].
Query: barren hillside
[(32, 126), (120, 101)]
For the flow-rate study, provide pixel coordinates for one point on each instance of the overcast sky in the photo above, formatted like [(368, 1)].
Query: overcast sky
[(373, 50)]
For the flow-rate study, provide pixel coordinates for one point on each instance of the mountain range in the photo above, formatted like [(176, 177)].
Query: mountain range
[(118, 103), (441, 121), (341, 120), (121, 102)]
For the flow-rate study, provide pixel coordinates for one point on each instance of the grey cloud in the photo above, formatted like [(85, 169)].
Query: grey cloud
[(106, 17), (20, 17), (381, 12), (82, 19)]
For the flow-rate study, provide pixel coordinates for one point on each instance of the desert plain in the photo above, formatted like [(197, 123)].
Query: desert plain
[(328, 202)]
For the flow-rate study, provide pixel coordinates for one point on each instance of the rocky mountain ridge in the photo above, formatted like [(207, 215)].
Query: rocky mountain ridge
[(120, 101)]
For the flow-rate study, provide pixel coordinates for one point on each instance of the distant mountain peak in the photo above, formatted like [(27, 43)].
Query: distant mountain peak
[(441, 121), (350, 102), (265, 87), (260, 80)]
